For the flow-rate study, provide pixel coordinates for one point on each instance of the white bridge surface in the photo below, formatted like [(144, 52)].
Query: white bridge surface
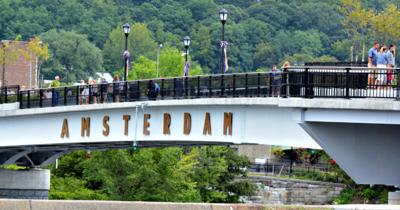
[(362, 135), (254, 120)]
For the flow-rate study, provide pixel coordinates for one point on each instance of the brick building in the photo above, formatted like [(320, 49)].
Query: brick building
[(15, 69)]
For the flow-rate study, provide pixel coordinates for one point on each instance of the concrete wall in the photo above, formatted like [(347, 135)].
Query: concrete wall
[(294, 192), (117, 205), (254, 152)]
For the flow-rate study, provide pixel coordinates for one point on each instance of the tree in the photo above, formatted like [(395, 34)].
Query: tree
[(140, 42), (72, 56), (386, 24), (356, 21)]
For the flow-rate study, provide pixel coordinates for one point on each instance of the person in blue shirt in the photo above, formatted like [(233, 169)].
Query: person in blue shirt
[(382, 65), (373, 55), (372, 63)]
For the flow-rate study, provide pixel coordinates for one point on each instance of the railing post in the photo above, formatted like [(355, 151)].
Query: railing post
[(286, 73), (53, 100), (113, 91), (234, 86), (21, 106), (306, 86), (258, 84), (198, 87), (40, 98), (78, 94), (90, 94), (175, 81), (270, 80), (65, 96), (5, 95), (210, 86), (29, 100), (162, 89), (186, 87), (125, 91), (246, 87), (18, 89), (222, 85), (138, 90), (347, 83), (397, 84)]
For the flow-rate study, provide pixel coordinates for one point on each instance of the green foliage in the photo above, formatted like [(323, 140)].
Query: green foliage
[(72, 56), (171, 174), (364, 194)]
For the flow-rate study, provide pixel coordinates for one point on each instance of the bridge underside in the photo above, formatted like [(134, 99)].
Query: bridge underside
[(369, 153), (43, 155)]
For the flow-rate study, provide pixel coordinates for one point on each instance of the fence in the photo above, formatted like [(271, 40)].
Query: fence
[(286, 167), (305, 82)]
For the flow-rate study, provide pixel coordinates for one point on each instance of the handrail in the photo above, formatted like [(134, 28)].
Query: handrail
[(295, 81)]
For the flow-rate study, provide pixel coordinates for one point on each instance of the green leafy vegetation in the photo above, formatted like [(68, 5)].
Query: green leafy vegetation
[(203, 174), (86, 36)]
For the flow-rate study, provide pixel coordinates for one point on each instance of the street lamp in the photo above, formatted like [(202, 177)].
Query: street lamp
[(186, 43), (158, 57), (127, 28), (223, 15)]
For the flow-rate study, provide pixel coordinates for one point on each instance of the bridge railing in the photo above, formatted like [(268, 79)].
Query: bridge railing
[(9, 94), (305, 82), (343, 82), (229, 85)]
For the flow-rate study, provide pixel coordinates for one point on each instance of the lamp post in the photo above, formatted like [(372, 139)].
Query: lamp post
[(186, 43), (127, 28), (223, 15), (158, 57)]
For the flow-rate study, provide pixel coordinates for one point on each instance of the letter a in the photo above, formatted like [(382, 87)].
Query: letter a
[(65, 129)]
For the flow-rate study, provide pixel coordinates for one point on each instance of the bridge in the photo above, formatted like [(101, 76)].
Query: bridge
[(354, 121)]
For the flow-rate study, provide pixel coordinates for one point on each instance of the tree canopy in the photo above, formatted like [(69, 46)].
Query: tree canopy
[(259, 33)]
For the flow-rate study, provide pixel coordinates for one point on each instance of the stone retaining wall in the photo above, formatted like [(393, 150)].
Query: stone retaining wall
[(118, 205), (273, 190)]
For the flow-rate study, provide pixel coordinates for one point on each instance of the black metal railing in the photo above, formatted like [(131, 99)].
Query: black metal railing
[(304, 82)]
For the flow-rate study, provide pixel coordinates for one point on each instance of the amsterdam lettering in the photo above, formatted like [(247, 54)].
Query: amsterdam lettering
[(167, 121)]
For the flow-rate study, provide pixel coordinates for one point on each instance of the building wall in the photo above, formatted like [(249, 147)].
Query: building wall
[(254, 152), (17, 70)]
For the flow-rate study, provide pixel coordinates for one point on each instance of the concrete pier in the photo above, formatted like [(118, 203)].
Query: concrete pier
[(25, 184)]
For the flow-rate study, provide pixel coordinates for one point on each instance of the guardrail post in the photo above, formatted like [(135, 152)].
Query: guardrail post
[(18, 89), (65, 96), (234, 86), (21, 106), (198, 87), (90, 94), (347, 83), (186, 87), (138, 90), (306, 86), (40, 98), (5, 95), (29, 100), (175, 81), (125, 91), (246, 87), (162, 89), (222, 85), (398, 84), (258, 84), (53, 100), (78, 94), (210, 86)]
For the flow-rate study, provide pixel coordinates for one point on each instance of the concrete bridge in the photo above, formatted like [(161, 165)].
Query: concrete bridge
[(359, 133)]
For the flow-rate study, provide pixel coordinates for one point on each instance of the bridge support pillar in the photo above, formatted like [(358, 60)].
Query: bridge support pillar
[(25, 184), (394, 198)]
